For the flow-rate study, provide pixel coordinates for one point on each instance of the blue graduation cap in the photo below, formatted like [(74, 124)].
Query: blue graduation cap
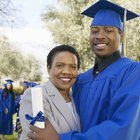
[(106, 13), (26, 84), (4, 85), (9, 81), (32, 84)]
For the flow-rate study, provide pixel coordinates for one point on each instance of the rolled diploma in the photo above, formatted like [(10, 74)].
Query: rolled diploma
[(37, 104)]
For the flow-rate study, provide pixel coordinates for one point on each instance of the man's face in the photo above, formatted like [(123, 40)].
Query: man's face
[(104, 40)]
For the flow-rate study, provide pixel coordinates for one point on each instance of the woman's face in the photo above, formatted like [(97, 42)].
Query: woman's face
[(9, 86), (64, 70)]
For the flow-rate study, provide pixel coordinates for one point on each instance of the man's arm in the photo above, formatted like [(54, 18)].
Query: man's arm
[(47, 133), (122, 124), (123, 115)]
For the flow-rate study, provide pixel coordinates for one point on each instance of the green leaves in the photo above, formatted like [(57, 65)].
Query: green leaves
[(14, 64)]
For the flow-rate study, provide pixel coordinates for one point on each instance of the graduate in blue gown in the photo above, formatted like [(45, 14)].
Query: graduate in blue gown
[(33, 84), (26, 85), (7, 109), (107, 96)]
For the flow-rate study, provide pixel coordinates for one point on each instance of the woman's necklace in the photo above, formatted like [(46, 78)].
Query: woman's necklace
[(66, 97), (68, 100)]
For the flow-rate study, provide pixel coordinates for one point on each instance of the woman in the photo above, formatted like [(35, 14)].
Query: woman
[(62, 65), (7, 109)]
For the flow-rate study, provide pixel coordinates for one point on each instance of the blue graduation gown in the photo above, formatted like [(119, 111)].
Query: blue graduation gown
[(17, 106), (17, 103), (6, 120), (109, 105)]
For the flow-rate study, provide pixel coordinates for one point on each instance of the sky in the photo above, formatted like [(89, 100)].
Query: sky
[(31, 10), (31, 27), (31, 36)]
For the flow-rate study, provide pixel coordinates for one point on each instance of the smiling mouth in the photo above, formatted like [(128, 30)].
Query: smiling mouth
[(65, 79), (101, 46)]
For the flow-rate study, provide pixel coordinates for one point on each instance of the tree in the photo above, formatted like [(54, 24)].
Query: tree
[(10, 58), (13, 63), (4, 51), (32, 69), (69, 27), (7, 13), (16, 65)]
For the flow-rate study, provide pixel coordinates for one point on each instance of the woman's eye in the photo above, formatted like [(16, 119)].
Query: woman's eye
[(59, 66), (74, 67)]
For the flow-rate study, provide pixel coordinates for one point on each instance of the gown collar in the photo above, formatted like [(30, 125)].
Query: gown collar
[(101, 64)]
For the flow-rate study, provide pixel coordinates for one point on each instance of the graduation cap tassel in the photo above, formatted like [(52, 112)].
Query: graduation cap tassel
[(124, 45)]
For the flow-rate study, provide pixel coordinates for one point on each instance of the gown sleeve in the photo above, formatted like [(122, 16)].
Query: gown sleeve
[(124, 115), (2, 106)]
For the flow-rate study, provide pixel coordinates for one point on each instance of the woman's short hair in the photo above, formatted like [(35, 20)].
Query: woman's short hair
[(62, 48)]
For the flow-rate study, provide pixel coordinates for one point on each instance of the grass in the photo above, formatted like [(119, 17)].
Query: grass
[(14, 136), (10, 137)]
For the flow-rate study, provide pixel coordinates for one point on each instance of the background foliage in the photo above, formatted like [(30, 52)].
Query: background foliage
[(69, 27), (7, 13), (12, 62), (15, 65)]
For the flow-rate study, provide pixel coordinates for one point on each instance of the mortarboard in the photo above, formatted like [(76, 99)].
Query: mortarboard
[(32, 84), (106, 13), (26, 84), (4, 85), (9, 81)]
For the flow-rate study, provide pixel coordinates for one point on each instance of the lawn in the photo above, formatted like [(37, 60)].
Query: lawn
[(14, 136)]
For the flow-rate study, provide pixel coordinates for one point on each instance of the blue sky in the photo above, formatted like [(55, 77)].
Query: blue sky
[(30, 10), (30, 29)]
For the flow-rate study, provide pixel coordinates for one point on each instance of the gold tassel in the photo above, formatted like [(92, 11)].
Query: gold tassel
[(124, 35)]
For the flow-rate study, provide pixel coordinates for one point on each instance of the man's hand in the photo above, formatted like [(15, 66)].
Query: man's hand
[(47, 133)]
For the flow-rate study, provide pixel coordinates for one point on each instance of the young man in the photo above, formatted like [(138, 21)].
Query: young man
[(107, 96)]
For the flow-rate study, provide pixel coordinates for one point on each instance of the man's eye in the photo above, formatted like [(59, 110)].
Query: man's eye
[(94, 31), (108, 31)]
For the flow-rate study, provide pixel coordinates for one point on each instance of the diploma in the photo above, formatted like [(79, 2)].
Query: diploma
[(37, 104)]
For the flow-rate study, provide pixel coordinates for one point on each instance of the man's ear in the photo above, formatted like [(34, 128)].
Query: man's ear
[(121, 38)]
